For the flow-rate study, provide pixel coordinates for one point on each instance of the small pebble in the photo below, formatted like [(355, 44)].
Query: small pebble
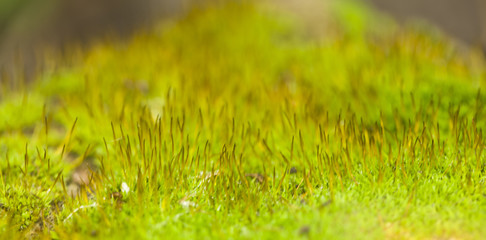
[(304, 230)]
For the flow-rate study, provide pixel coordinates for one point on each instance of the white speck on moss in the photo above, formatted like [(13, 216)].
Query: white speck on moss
[(124, 188), (187, 204)]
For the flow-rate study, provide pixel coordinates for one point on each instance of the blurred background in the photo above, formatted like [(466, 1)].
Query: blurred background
[(462, 19), (27, 25)]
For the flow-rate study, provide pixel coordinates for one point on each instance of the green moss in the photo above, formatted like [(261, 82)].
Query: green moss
[(233, 123)]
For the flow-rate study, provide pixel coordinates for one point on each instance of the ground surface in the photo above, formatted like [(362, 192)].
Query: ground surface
[(237, 122)]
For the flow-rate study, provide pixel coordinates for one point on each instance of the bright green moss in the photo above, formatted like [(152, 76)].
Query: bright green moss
[(233, 123)]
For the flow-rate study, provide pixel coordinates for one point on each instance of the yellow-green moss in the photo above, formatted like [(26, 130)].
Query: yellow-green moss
[(233, 123)]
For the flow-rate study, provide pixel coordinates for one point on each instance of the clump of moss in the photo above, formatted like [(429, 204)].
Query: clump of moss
[(233, 123)]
